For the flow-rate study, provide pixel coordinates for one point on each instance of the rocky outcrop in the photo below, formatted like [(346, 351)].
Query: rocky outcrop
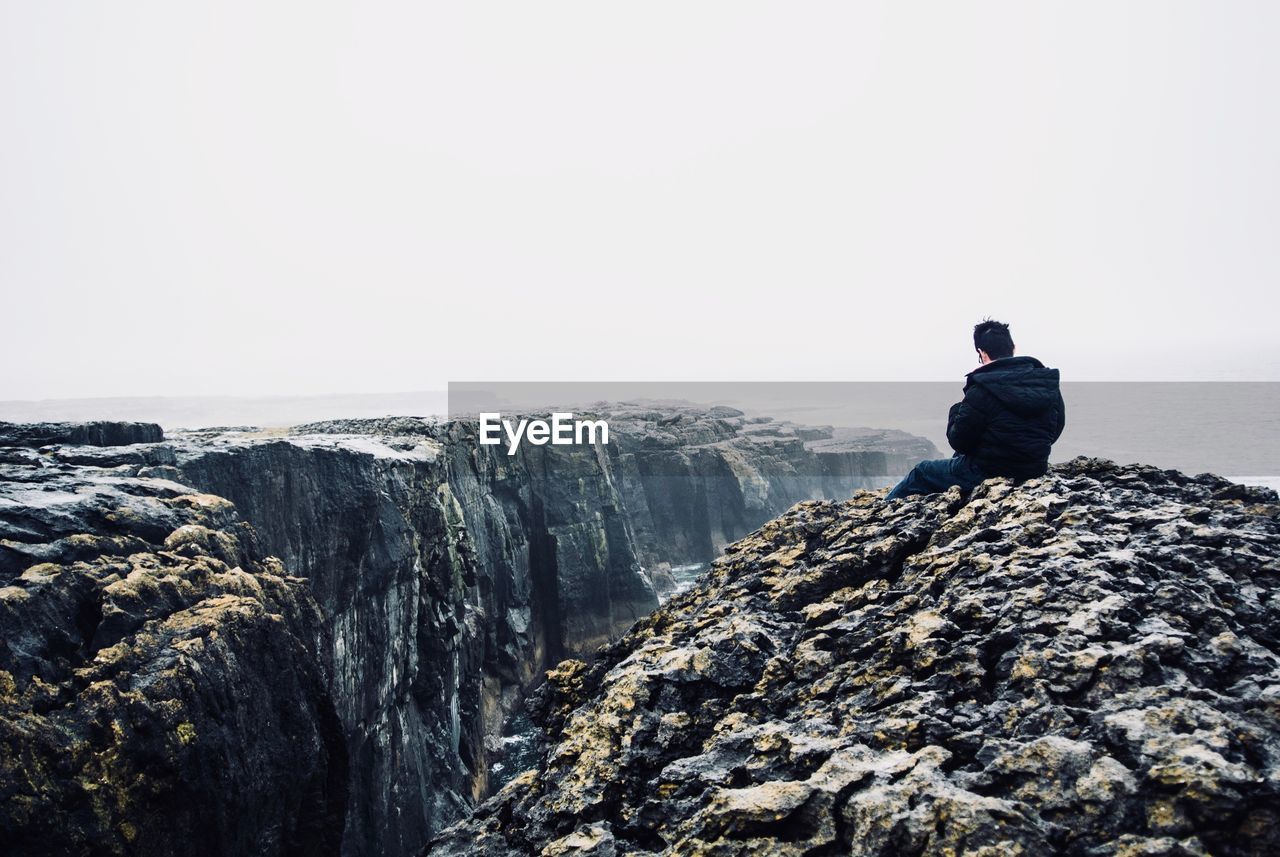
[(448, 576), (376, 533), (451, 575), (159, 685), (100, 433), (1085, 664)]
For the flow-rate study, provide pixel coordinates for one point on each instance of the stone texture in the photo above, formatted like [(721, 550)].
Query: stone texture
[(159, 685), (447, 576), (1085, 664), (100, 433), (451, 575)]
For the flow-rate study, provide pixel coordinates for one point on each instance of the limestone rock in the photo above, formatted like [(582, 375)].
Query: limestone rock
[(451, 575), (100, 433), (695, 479), (1084, 664), (160, 689), (445, 577)]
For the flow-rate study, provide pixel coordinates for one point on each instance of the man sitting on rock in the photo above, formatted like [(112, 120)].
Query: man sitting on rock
[(1011, 415)]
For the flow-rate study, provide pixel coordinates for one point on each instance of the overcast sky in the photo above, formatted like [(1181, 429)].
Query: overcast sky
[(295, 198)]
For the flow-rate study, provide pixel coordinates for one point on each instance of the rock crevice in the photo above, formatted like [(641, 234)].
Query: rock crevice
[(437, 578)]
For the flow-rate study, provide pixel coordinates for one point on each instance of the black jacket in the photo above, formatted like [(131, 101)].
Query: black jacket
[(1010, 417)]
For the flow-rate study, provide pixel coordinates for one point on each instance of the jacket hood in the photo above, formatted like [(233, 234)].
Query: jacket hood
[(1023, 384)]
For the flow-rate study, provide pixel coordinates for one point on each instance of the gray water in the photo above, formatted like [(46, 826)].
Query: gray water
[(686, 577), (514, 752), (1232, 429)]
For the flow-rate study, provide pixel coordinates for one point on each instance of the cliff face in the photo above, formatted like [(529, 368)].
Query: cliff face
[(158, 684), (442, 577), (695, 479), (376, 534), (100, 433), (451, 575), (1085, 664), (448, 577)]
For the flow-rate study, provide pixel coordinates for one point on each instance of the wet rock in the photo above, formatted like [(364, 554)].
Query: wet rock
[(448, 576), (451, 575), (1083, 664), (160, 687)]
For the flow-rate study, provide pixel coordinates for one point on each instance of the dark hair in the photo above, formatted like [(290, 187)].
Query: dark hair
[(993, 337)]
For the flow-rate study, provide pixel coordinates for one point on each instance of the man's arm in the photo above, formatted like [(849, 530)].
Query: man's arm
[(1062, 418), (966, 422)]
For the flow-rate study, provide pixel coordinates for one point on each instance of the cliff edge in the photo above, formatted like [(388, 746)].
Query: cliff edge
[(1085, 664), (373, 599), (160, 691)]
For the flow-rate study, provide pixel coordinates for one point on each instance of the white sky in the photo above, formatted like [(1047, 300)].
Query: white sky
[(295, 198)]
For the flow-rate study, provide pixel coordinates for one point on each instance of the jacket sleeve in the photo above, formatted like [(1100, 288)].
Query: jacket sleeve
[(966, 422), (1062, 418)]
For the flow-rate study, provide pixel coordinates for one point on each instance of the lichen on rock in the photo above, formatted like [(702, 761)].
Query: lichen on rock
[(1083, 664), (160, 691)]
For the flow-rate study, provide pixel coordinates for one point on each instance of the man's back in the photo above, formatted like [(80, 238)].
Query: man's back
[(1006, 425), (1011, 415)]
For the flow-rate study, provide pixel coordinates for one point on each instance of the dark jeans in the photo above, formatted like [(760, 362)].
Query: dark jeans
[(933, 477)]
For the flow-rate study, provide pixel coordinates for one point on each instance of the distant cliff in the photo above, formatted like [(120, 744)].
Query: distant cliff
[(447, 575), (1087, 664), (695, 479)]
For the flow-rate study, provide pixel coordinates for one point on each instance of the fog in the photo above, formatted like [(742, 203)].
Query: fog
[(304, 198)]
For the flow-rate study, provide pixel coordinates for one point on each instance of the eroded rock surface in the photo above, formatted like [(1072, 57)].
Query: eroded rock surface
[(1085, 664), (451, 575), (160, 689), (441, 577), (448, 579)]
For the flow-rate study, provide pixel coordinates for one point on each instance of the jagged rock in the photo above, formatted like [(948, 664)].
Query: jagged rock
[(1085, 664), (451, 574), (371, 426), (160, 691), (447, 575)]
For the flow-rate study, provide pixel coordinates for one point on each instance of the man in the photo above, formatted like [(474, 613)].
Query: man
[(1011, 415)]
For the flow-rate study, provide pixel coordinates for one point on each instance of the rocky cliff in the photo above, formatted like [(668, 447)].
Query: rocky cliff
[(451, 575), (1086, 664), (448, 576), (696, 479), (159, 689)]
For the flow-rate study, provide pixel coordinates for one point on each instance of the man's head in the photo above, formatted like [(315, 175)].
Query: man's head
[(992, 340)]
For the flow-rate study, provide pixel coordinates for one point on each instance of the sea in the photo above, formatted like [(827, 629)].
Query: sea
[(1228, 428)]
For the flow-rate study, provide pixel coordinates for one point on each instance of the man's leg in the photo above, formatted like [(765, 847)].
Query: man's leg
[(933, 477)]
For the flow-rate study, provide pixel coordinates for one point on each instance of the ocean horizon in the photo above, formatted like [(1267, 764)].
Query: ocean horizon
[(1231, 429)]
